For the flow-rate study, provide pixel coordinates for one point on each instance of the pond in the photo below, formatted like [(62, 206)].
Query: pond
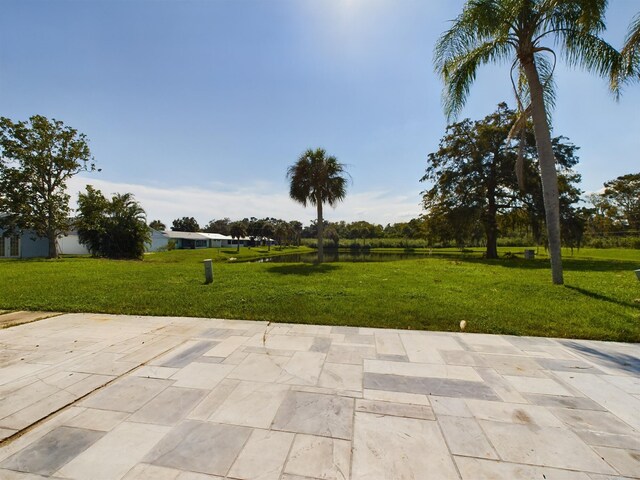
[(335, 256)]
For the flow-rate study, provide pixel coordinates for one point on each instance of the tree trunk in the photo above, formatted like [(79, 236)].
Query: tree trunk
[(490, 221), (53, 248), (548, 173), (491, 231), (238, 249), (320, 232)]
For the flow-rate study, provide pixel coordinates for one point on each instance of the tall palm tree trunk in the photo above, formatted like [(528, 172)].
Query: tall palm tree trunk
[(548, 172), (320, 232)]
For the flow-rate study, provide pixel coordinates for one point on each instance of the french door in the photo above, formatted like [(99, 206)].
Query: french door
[(10, 246)]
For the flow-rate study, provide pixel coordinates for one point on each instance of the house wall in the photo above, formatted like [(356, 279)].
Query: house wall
[(70, 245), (30, 247), (158, 242)]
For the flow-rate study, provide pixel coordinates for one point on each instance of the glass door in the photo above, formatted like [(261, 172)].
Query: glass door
[(10, 246)]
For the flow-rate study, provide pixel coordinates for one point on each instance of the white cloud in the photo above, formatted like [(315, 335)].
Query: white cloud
[(257, 199)]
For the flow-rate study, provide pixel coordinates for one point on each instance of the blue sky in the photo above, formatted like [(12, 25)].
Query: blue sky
[(198, 107)]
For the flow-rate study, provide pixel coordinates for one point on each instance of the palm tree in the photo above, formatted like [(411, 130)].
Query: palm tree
[(267, 232), (317, 179), (238, 230), (631, 53), (523, 32)]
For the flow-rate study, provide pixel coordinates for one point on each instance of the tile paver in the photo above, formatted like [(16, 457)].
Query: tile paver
[(112, 397)]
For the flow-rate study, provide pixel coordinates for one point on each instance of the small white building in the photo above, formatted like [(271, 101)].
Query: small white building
[(192, 240)]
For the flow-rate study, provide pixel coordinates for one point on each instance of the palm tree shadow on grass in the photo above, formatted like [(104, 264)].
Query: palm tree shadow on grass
[(570, 264), (303, 269), (604, 298)]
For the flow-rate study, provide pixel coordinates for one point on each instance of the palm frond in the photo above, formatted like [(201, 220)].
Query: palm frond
[(630, 53), (459, 73)]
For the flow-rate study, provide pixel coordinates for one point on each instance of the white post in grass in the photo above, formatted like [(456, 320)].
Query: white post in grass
[(208, 271)]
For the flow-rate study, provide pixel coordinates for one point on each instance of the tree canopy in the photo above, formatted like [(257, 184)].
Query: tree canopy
[(623, 193), (185, 224), (157, 225), (474, 181), (317, 179), (113, 228), (238, 230), (37, 158)]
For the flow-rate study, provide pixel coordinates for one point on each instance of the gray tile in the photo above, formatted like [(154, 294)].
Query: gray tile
[(359, 339), (580, 403), (529, 343), (345, 330), (480, 469), (116, 453), (315, 414), (613, 440), (263, 457), (616, 357), (46, 455), (126, 395), (544, 446), (219, 333), (460, 357), (465, 437), (395, 409), (353, 354), (503, 389), (566, 365), (188, 355), (200, 447), (321, 344), (318, 457), (400, 449), (626, 462), (428, 386), (392, 358), (169, 407), (593, 421)]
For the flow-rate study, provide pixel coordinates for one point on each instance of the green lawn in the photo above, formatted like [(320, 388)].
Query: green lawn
[(601, 298)]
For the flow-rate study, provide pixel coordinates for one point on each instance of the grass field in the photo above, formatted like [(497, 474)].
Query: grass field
[(601, 298)]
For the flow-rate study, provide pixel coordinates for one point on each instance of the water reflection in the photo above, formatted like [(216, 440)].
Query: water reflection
[(334, 256)]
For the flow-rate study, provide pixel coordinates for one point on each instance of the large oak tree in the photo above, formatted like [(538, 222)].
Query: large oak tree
[(37, 158)]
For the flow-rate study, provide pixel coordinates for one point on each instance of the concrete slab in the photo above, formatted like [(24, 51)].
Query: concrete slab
[(113, 396)]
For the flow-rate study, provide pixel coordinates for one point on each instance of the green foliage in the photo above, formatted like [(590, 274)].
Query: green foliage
[(113, 228), (623, 193), (474, 183), (630, 68), (522, 32), (317, 179), (37, 158), (185, 224), (157, 225), (220, 226), (238, 231)]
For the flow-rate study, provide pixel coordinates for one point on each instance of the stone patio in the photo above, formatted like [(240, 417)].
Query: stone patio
[(87, 396)]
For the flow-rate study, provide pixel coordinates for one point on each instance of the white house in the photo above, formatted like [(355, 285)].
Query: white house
[(189, 240)]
